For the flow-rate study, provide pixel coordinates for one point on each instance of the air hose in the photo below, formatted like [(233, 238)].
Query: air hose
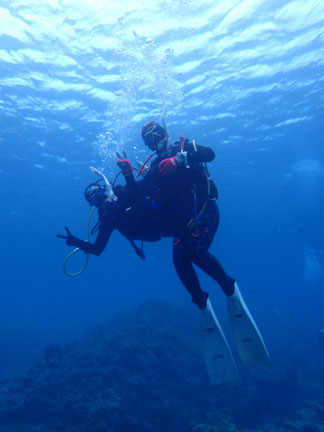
[(77, 249)]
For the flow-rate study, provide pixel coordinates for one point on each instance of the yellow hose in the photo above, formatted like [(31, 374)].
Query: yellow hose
[(77, 249)]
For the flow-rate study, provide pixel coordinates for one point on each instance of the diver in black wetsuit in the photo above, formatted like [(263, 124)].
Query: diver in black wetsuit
[(121, 209), (179, 189)]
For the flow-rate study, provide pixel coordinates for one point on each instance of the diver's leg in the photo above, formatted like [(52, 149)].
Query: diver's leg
[(197, 245), (210, 265), (188, 275), (247, 337), (218, 357)]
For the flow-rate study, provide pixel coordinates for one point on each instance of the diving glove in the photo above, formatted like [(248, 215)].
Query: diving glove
[(124, 164), (169, 164)]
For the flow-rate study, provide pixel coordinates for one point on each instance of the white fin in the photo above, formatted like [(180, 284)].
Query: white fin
[(247, 338), (218, 357)]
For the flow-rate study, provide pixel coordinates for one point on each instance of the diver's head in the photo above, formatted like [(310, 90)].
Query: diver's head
[(155, 137), (96, 194)]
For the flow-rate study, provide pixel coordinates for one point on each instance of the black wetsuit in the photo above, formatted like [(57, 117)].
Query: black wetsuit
[(130, 215), (185, 199)]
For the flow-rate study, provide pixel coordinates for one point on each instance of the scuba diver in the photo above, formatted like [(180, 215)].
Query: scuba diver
[(176, 197), (119, 209), (178, 189), (181, 192)]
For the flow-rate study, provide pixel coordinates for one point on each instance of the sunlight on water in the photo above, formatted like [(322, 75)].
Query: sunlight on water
[(112, 68)]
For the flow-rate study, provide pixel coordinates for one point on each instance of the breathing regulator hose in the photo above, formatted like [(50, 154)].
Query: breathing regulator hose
[(77, 249)]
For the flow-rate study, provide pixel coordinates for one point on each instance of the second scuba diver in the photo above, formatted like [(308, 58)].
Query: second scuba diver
[(119, 208)]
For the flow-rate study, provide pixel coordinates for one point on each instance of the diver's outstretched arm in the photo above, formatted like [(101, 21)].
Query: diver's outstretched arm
[(95, 248)]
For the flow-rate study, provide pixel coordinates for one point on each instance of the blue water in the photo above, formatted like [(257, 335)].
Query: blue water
[(79, 80)]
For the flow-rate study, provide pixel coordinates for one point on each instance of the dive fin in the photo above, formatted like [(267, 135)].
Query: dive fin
[(247, 338), (218, 357)]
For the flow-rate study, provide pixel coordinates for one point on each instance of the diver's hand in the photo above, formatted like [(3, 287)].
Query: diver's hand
[(70, 239), (124, 164), (169, 164)]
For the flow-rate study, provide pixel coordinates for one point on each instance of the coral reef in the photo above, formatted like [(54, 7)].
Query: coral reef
[(143, 371)]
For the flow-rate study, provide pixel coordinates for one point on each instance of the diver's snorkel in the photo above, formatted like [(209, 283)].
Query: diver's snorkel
[(109, 190), (166, 129)]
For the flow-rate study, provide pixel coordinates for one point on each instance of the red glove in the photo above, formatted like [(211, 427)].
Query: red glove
[(169, 164), (124, 164)]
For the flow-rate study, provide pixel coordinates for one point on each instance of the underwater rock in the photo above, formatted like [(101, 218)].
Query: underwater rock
[(143, 371), (53, 355), (131, 374)]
